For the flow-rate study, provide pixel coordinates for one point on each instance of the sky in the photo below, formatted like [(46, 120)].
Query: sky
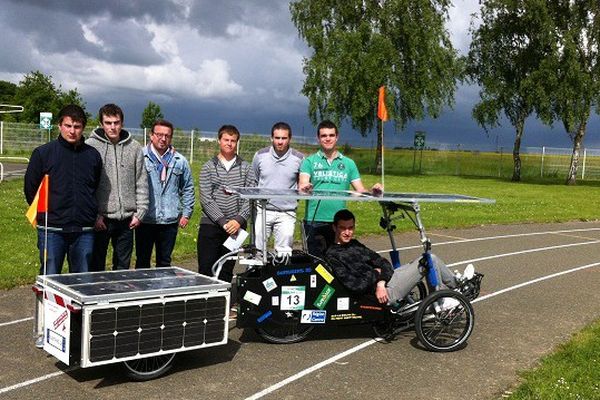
[(208, 63)]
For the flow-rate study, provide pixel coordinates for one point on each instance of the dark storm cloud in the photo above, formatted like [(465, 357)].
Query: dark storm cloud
[(159, 10), (58, 30), (212, 18)]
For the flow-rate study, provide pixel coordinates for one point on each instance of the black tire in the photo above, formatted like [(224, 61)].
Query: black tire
[(145, 369), (441, 327), (285, 332), (387, 328)]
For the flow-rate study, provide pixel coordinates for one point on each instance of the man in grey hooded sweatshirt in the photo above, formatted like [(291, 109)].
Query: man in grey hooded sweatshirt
[(123, 191)]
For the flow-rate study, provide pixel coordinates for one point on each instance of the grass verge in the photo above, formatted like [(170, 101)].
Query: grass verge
[(572, 372)]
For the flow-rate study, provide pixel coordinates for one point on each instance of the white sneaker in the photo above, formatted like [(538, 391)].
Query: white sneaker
[(39, 342), (469, 272), (448, 303)]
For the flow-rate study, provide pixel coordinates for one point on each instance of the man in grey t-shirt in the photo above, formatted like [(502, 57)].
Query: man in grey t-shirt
[(277, 167)]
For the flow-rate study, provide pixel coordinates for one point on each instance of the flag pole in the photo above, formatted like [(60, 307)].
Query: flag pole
[(382, 157)]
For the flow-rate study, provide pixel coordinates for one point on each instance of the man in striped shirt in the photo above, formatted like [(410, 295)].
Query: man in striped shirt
[(223, 215)]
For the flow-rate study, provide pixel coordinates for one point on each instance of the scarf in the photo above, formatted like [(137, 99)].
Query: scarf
[(163, 162)]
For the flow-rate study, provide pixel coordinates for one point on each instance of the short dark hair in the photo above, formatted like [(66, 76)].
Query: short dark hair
[(328, 125), (343, 215), (230, 130), (74, 112), (284, 126), (162, 122), (110, 110)]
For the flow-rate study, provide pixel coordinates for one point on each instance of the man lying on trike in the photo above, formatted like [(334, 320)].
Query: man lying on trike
[(285, 298)]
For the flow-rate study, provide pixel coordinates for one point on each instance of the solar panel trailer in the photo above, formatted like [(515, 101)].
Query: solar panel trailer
[(96, 318)]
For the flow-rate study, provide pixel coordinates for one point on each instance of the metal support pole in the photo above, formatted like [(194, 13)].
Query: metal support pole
[(192, 147), (1, 137), (543, 154), (145, 144)]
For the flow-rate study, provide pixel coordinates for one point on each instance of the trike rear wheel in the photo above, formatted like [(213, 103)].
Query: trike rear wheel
[(285, 332), (444, 321)]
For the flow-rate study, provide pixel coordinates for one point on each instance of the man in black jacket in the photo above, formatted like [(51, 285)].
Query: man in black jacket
[(74, 171), (362, 271)]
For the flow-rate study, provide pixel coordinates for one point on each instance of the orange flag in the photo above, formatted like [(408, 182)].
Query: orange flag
[(40, 202), (382, 113)]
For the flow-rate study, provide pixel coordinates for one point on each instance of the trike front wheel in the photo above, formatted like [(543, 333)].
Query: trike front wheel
[(444, 321), (144, 369)]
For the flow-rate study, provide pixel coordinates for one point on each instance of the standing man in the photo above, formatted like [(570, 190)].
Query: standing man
[(171, 195), (223, 215), (327, 169), (74, 170), (276, 167), (123, 191)]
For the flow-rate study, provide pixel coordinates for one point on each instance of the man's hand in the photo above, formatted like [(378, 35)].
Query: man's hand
[(183, 221), (100, 225), (377, 189), (381, 292), (305, 187), (135, 222), (231, 227)]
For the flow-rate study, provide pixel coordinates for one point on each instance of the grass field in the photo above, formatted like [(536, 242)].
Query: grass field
[(515, 203)]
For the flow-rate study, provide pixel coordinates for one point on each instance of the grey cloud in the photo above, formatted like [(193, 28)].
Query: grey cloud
[(212, 18), (157, 10), (57, 31)]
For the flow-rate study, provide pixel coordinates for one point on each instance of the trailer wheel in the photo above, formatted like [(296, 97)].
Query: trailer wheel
[(145, 369)]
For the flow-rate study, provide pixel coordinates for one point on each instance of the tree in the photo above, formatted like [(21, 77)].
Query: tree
[(150, 114), (506, 49), (37, 93), (568, 80), (360, 45), (7, 92)]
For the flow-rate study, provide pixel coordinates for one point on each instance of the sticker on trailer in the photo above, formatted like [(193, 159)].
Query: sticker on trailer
[(252, 297), (269, 284), (57, 327), (313, 281), (292, 297), (275, 301), (313, 317)]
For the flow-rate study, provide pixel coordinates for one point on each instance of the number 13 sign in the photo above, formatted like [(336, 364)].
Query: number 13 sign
[(292, 297)]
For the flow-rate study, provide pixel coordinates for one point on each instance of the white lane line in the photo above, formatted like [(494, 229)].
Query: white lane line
[(16, 321), (481, 239), (361, 346), (515, 253), (543, 278), (30, 382)]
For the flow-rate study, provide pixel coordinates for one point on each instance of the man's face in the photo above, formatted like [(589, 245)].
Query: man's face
[(281, 140), (161, 138), (112, 125), (71, 130), (344, 231), (327, 139), (228, 145)]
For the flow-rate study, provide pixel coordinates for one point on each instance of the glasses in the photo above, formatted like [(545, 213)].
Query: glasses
[(162, 136)]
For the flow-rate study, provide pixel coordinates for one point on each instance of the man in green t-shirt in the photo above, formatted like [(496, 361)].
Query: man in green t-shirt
[(327, 169)]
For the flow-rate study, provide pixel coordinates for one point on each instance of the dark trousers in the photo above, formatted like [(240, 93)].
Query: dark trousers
[(160, 236), (319, 236), (210, 248), (54, 246), (122, 242)]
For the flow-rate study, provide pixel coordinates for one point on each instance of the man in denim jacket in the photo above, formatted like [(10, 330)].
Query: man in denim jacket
[(171, 193)]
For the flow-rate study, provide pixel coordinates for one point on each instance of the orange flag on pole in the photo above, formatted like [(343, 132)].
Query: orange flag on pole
[(382, 113), (40, 202)]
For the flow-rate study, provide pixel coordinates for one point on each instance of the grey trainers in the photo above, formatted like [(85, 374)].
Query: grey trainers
[(39, 342)]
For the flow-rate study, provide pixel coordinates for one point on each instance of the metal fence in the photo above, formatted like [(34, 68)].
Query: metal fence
[(18, 139)]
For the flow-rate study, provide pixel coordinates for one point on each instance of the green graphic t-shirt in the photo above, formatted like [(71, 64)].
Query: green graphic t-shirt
[(325, 176)]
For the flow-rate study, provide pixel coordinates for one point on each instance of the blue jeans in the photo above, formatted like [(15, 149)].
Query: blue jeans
[(161, 236), (77, 246)]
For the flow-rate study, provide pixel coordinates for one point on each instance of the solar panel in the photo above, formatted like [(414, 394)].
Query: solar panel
[(254, 193)]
